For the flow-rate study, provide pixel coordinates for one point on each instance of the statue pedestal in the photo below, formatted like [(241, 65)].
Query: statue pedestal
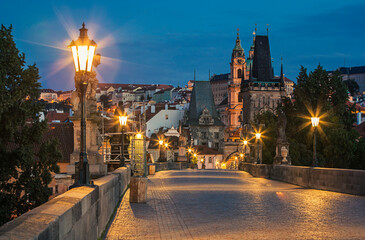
[(96, 162)]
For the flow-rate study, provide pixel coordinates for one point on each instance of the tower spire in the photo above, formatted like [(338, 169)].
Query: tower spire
[(254, 32), (281, 71), (238, 41), (267, 29)]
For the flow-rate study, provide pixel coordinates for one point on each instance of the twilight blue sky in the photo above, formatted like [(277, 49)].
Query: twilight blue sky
[(164, 41)]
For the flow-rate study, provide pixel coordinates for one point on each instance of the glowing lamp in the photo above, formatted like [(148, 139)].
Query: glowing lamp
[(160, 142), (189, 150), (258, 135), (166, 145), (123, 120), (241, 154), (315, 121), (83, 51), (245, 142), (194, 154), (139, 136)]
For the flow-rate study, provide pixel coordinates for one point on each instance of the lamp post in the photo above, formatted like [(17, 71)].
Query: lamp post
[(244, 148), (83, 50), (189, 152), (315, 123), (122, 122), (166, 148), (258, 137), (160, 142)]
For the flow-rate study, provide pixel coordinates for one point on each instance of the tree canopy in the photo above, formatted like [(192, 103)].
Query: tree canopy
[(26, 159), (319, 94)]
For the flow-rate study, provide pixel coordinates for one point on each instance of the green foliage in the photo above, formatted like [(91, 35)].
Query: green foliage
[(352, 86), (194, 160), (26, 160), (325, 96), (269, 136)]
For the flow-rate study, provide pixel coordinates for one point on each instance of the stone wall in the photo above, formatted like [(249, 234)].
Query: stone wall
[(160, 166), (80, 213), (331, 179)]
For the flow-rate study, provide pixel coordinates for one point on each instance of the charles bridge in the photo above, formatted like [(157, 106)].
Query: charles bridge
[(256, 202)]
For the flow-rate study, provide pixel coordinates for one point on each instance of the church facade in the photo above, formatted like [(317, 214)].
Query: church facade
[(250, 88)]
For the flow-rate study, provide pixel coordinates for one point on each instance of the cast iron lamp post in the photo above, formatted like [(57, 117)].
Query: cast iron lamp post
[(83, 50), (122, 122), (258, 137), (315, 123)]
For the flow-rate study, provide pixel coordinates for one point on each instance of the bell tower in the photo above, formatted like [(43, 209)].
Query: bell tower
[(238, 62), (238, 71)]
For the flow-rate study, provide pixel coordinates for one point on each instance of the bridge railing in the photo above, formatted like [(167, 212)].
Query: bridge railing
[(80, 213), (331, 179)]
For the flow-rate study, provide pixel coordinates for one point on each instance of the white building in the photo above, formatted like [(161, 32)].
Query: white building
[(163, 118)]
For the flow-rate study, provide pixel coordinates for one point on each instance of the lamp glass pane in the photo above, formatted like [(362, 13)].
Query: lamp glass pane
[(82, 57), (90, 57), (74, 54)]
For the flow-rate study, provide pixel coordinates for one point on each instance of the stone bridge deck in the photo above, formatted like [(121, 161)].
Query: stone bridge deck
[(192, 204)]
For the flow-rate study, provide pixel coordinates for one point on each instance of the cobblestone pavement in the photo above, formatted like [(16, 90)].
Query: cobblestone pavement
[(209, 204)]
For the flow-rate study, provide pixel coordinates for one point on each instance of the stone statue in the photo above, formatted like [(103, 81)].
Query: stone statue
[(90, 78), (282, 144), (281, 126)]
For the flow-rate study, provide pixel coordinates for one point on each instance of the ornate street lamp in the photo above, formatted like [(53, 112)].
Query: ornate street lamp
[(83, 51), (122, 122), (315, 123), (258, 137), (245, 142)]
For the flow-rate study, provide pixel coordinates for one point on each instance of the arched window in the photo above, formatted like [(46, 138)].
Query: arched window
[(239, 73)]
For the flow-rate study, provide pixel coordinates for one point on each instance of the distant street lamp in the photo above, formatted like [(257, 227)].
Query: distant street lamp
[(83, 50), (258, 137), (160, 148), (244, 148), (122, 122), (189, 152), (315, 123), (166, 149)]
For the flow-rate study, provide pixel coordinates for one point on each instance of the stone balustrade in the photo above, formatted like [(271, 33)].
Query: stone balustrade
[(331, 179), (80, 213), (160, 166)]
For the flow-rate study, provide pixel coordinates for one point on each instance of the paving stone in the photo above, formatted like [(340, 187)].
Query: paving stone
[(210, 204)]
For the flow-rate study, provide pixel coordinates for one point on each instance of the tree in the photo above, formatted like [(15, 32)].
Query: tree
[(269, 135), (325, 96), (26, 160), (352, 86)]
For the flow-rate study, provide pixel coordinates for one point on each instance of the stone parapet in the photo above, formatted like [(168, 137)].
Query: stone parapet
[(160, 166), (80, 213), (330, 179)]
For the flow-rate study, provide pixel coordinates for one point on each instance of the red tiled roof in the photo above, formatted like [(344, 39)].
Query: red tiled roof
[(205, 150), (64, 133), (361, 129), (54, 116)]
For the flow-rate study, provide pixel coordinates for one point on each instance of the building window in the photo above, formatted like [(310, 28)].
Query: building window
[(239, 73), (216, 145), (204, 135), (166, 116), (216, 135)]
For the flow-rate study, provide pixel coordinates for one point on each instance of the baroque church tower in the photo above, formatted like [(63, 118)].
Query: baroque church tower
[(238, 71)]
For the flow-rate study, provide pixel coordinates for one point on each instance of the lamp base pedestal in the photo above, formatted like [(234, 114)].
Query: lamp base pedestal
[(97, 167)]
